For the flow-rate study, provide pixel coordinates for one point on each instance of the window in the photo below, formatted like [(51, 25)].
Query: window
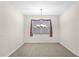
[(41, 26)]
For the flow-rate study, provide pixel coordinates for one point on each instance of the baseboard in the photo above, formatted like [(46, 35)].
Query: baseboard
[(15, 49), (40, 42), (69, 49)]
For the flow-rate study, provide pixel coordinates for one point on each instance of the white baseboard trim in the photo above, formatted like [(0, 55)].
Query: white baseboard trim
[(41, 42), (15, 49), (69, 49)]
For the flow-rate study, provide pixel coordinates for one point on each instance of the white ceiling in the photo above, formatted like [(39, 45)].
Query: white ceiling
[(49, 7)]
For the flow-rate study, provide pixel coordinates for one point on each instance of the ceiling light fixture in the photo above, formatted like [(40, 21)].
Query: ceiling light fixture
[(41, 11)]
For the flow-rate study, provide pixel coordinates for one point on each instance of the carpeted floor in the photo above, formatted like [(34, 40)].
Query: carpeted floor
[(42, 50)]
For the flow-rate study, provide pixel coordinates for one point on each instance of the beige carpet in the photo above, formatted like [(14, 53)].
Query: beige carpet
[(42, 50)]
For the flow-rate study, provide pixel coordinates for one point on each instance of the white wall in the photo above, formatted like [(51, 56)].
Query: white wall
[(11, 29), (69, 26), (42, 38)]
